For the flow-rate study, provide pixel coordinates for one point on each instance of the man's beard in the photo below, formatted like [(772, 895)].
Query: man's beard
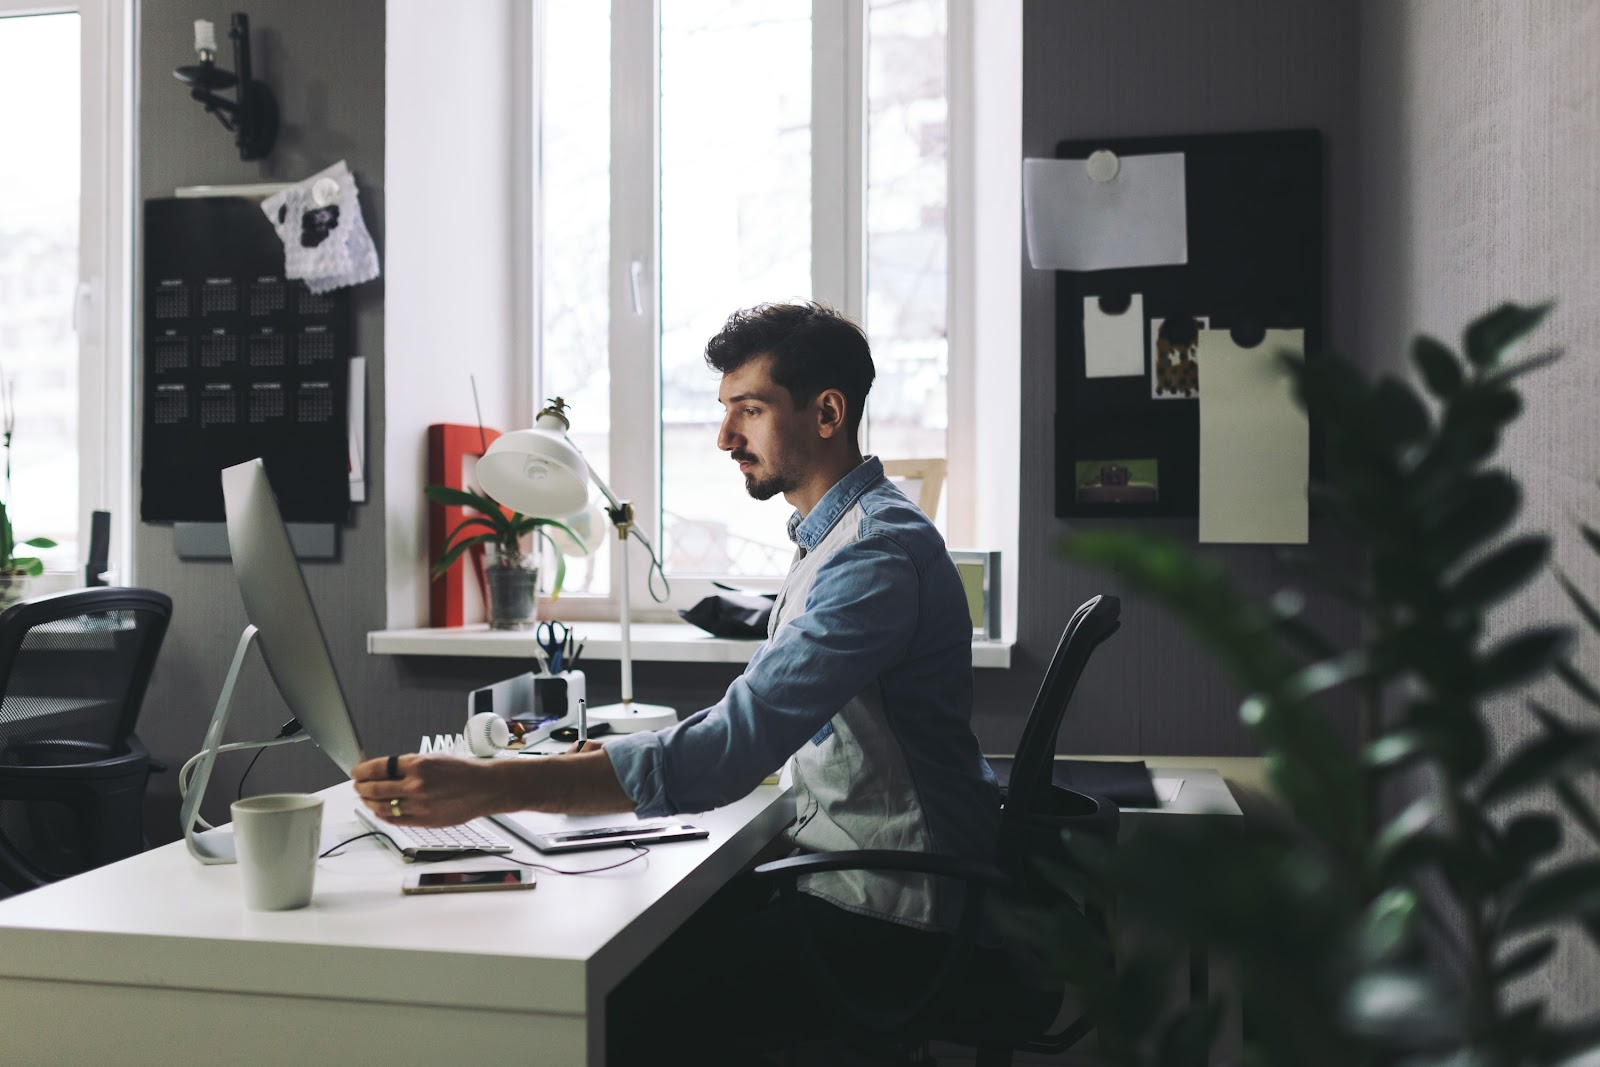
[(769, 487)]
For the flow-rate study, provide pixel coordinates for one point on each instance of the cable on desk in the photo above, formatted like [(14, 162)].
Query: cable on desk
[(358, 837)]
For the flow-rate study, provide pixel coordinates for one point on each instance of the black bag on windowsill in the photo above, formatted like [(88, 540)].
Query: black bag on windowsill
[(732, 614)]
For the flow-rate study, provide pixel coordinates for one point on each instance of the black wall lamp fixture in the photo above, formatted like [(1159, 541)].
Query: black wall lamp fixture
[(253, 117)]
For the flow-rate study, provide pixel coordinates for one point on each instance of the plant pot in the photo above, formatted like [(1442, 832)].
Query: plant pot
[(513, 589), (14, 587)]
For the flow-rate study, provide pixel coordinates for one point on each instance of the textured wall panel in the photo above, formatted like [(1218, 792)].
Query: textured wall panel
[(1480, 183)]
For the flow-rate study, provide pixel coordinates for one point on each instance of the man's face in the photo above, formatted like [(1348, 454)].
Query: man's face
[(762, 431)]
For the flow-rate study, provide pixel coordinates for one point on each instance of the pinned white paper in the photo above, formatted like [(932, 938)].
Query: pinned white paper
[(1113, 345), (325, 241), (1137, 219), (1255, 442)]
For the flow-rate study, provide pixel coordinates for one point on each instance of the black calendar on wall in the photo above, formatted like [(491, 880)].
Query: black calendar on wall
[(238, 362)]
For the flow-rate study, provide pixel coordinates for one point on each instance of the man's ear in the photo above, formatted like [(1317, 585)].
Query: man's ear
[(831, 411)]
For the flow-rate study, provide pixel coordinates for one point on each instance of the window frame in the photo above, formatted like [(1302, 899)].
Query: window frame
[(102, 313), (838, 250)]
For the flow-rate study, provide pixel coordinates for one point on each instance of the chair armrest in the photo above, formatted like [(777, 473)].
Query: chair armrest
[(84, 762), (883, 860)]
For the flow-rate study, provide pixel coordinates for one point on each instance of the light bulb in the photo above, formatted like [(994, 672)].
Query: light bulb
[(205, 37)]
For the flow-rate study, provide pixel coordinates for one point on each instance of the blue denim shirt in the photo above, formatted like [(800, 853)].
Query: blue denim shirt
[(864, 685)]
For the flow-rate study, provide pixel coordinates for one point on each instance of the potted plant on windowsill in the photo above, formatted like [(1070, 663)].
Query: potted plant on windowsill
[(15, 570), (511, 571)]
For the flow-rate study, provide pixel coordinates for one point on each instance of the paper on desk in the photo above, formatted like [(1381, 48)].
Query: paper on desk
[(1113, 344), (1166, 788), (1137, 219), (1254, 442)]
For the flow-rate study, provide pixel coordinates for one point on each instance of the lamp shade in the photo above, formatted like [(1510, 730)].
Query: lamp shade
[(537, 472)]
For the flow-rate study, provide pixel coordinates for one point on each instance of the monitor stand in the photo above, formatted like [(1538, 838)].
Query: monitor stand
[(212, 845)]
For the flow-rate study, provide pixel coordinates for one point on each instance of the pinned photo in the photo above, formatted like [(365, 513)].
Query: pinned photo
[(1117, 481), (1174, 357)]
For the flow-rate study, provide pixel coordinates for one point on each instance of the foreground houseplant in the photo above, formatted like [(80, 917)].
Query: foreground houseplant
[(15, 569), (511, 572), (1356, 941)]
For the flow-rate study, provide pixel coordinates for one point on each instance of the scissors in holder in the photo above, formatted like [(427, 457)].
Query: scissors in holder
[(556, 640)]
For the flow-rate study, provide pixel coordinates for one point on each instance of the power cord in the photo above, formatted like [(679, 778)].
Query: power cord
[(288, 729), (639, 853)]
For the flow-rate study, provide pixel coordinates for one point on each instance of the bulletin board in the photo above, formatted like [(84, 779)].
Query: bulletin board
[(238, 362), (1127, 443)]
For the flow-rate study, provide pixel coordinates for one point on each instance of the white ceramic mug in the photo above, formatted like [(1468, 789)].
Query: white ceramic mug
[(276, 836)]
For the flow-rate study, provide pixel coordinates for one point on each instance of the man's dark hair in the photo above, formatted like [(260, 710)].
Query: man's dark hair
[(812, 347)]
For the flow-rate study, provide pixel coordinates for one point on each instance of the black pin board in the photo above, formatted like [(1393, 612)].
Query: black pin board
[(238, 362), (1127, 445)]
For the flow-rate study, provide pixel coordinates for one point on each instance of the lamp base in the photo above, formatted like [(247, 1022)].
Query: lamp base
[(633, 717)]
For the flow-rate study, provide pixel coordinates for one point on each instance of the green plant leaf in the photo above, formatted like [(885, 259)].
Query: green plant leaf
[(1399, 749), (1389, 927), (1397, 409), (1523, 657), (1551, 755), (1523, 960), (1440, 367), (1564, 893), (1539, 361), (40, 542), (455, 551), (30, 565), (1531, 837), (1479, 509), (1508, 568), (459, 498), (1487, 337), (1408, 1005)]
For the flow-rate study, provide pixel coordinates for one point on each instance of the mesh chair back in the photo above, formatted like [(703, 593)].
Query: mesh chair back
[(74, 666), (1030, 788)]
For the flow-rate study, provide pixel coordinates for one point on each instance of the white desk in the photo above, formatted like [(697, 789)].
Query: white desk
[(156, 960)]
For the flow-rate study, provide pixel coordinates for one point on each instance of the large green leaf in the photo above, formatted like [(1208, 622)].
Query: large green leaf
[(1550, 755), (1411, 1006), (39, 542), (1440, 367), (1476, 510), (1487, 337), (1397, 410), (454, 552), (1522, 658), (1389, 927), (1507, 569), (1565, 893)]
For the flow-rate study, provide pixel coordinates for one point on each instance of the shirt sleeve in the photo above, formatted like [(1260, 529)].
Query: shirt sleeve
[(859, 618)]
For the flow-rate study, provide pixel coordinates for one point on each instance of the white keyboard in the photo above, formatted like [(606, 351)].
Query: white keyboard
[(416, 842)]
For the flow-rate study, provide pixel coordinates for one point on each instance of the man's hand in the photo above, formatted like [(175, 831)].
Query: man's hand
[(432, 790), (447, 790)]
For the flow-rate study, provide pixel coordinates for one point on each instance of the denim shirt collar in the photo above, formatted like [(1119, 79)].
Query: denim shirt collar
[(808, 532)]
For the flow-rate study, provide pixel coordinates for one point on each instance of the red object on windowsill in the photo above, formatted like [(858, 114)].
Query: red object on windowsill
[(449, 445)]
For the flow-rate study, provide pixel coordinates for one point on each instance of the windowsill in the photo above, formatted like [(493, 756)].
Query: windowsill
[(667, 642)]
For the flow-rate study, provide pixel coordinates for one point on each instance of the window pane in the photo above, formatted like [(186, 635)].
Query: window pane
[(735, 231), (575, 240), (907, 192), (39, 176)]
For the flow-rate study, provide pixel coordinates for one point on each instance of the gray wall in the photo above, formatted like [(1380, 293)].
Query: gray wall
[(1480, 183), (1148, 67), (1112, 67)]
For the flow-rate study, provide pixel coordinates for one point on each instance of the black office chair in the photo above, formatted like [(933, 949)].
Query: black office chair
[(974, 999), (73, 672)]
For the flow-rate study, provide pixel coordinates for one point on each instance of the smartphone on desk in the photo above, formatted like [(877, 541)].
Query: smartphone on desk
[(468, 881)]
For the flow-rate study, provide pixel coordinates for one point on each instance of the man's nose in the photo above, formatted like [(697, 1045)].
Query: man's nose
[(727, 440)]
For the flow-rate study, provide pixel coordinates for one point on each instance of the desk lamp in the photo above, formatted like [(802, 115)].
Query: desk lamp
[(541, 472)]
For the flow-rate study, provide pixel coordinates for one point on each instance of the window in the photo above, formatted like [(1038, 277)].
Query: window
[(63, 250), (696, 158)]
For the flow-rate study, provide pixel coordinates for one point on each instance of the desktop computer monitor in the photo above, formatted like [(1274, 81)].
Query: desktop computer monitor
[(278, 607)]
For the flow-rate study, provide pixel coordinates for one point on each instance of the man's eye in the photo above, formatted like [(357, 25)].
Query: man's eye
[(752, 412)]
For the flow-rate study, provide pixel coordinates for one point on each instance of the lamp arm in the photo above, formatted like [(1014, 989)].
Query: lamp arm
[(594, 476)]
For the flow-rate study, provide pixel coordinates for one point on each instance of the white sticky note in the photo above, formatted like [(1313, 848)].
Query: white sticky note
[(1255, 442), (1137, 219), (1113, 345)]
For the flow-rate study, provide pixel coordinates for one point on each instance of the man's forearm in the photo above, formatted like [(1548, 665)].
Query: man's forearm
[(582, 783)]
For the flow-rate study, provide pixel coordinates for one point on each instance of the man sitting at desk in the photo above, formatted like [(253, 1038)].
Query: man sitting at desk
[(864, 685)]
